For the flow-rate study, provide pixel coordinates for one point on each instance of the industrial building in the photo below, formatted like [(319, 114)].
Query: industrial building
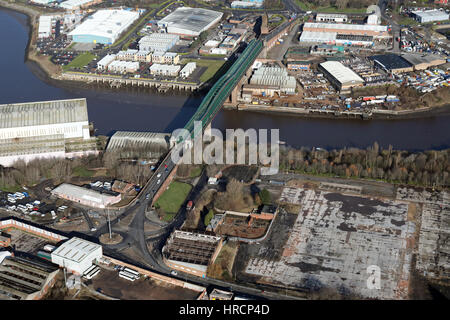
[(352, 29), (77, 4), (44, 129), (391, 63), (165, 70), (298, 65), (275, 78), (87, 197), (188, 69), (191, 252), (45, 26), (158, 42), (25, 278), (130, 143), (340, 76), (190, 22), (334, 38), (77, 255), (104, 26), (430, 15), (423, 61), (331, 17), (249, 4)]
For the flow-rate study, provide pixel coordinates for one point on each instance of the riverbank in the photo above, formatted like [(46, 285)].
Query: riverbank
[(355, 115)]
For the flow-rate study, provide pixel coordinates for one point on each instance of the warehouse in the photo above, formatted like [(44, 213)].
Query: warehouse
[(77, 4), (44, 129), (188, 69), (191, 252), (340, 76), (131, 143), (299, 65), (165, 70), (246, 4), (353, 29), (274, 76), (391, 63), (422, 62), (77, 255), (45, 26), (104, 26), (331, 17), (190, 22), (158, 42), (430, 15), (86, 196), (25, 278)]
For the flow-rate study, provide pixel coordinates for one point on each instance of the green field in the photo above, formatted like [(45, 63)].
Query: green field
[(80, 61), (212, 65), (172, 199), (82, 172), (208, 217), (195, 172)]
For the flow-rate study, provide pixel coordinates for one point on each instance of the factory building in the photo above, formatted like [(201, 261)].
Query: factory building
[(87, 197), (188, 69), (191, 252), (299, 65), (130, 143), (77, 255), (25, 278), (77, 4), (105, 61), (340, 76), (158, 42), (190, 22), (333, 38), (248, 4), (352, 29), (331, 17), (425, 61), (272, 77), (430, 16), (104, 26), (45, 27), (391, 63), (165, 70), (44, 129)]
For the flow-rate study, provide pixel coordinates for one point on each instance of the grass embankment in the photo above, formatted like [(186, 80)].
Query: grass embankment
[(195, 172), (80, 61), (208, 217), (212, 65), (306, 6), (82, 172), (172, 199), (223, 265)]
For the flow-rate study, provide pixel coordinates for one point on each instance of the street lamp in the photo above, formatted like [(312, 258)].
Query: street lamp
[(109, 220)]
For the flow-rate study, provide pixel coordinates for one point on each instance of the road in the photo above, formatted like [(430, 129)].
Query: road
[(395, 27)]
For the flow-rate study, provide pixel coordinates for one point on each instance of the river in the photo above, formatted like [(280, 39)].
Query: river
[(140, 110)]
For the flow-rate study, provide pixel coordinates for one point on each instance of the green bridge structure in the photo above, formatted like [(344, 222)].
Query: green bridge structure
[(222, 89)]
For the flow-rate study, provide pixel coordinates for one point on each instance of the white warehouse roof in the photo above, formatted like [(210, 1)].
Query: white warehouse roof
[(344, 27), (191, 21), (340, 72), (311, 36), (106, 24), (432, 15), (76, 250), (76, 192), (72, 4)]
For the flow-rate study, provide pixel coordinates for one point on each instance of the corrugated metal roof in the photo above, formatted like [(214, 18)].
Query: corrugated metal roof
[(77, 192), (341, 72), (76, 249), (43, 113)]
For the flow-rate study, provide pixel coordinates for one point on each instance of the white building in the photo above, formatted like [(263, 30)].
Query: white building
[(104, 26), (340, 76), (165, 70), (77, 255), (190, 21), (431, 15), (158, 42), (119, 66), (45, 26), (43, 129), (331, 17), (188, 69), (76, 4), (105, 61), (127, 55), (373, 19), (84, 196)]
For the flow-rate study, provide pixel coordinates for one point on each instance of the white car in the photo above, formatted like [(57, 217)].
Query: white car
[(158, 175), (158, 182)]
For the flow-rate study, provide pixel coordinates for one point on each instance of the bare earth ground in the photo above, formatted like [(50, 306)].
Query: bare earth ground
[(143, 289)]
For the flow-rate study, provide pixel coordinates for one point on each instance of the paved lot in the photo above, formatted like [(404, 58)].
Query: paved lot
[(334, 239)]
